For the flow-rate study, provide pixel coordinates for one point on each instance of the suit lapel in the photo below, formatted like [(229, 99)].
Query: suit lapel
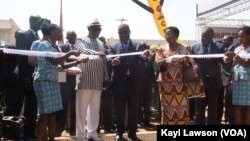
[(120, 48), (200, 49), (212, 48), (32, 35)]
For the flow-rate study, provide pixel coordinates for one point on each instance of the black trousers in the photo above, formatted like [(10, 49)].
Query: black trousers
[(211, 87), (225, 95), (30, 113), (13, 99), (127, 93), (68, 94), (145, 94), (106, 110)]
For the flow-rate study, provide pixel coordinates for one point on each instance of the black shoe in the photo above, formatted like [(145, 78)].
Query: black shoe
[(98, 130), (134, 137), (119, 138), (109, 131), (72, 133), (148, 125), (139, 125)]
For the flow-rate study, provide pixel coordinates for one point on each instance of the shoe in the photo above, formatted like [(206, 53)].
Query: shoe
[(119, 138), (139, 125), (58, 134), (98, 130), (109, 131), (94, 138), (134, 137), (72, 133), (148, 125)]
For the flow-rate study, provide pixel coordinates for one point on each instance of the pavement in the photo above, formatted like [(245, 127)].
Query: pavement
[(144, 133)]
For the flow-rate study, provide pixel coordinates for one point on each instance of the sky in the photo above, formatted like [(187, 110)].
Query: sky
[(78, 13)]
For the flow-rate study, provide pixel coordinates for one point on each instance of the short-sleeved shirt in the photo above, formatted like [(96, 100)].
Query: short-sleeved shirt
[(34, 47), (45, 70)]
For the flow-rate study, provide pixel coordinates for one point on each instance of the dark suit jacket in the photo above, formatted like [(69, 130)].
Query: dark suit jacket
[(146, 73), (65, 48), (119, 73), (23, 42), (210, 66), (71, 79)]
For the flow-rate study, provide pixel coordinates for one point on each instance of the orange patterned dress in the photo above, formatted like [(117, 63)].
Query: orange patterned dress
[(175, 93)]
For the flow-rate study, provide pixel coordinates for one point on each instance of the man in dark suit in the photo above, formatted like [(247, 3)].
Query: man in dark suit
[(145, 89), (125, 81), (23, 42), (228, 45), (106, 107), (211, 75), (68, 91)]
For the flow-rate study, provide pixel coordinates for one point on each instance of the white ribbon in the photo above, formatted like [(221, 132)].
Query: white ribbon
[(58, 54), (95, 57)]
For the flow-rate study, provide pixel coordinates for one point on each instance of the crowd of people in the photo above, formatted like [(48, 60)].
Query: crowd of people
[(116, 94)]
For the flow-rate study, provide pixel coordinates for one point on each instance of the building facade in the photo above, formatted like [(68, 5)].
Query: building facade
[(7, 32)]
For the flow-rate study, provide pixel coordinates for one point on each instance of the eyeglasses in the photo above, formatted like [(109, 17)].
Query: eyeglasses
[(169, 34)]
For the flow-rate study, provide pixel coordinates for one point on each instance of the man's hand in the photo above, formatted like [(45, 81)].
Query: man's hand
[(116, 61), (75, 52), (145, 54), (101, 54), (229, 54), (82, 60)]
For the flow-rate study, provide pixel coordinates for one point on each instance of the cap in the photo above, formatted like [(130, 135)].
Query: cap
[(153, 48)]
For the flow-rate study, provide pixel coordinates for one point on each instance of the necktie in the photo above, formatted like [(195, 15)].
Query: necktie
[(125, 46), (206, 50)]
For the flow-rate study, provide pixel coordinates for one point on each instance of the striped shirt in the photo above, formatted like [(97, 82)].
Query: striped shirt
[(94, 72)]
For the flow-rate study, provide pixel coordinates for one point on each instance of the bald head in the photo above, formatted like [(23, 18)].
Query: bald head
[(210, 31), (123, 26), (34, 18), (227, 40), (35, 22), (71, 37), (124, 32)]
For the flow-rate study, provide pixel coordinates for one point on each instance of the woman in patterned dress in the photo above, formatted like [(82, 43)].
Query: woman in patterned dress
[(46, 83), (174, 92), (241, 77)]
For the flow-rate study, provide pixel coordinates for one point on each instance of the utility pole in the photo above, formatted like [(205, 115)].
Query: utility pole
[(61, 21), (121, 20)]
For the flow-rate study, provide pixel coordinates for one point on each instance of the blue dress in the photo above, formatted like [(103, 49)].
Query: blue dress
[(241, 81), (46, 83)]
